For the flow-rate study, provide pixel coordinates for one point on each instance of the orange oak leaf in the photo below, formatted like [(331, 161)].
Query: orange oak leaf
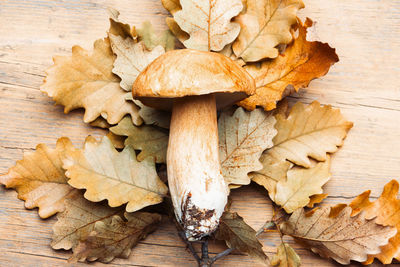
[(386, 209), (40, 180), (301, 62)]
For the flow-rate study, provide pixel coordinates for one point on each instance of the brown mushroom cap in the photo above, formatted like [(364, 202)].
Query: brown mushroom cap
[(187, 72)]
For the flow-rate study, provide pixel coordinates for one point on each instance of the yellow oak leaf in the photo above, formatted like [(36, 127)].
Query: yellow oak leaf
[(116, 176), (208, 23), (86, 81), (300, 185), (286, 257), (301, 62), (118, 28), (264, 25), (243, 137), (152, 141), (40, 180), (309, 131), (340, 236), (386, 210), (115, 238)]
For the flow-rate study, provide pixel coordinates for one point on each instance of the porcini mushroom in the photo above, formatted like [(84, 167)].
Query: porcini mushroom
[(194, 84)]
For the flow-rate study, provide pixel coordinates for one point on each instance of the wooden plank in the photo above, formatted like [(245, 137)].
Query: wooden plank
[(365, 84)]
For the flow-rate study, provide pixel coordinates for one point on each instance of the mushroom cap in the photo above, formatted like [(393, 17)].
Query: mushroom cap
[(187, 72)]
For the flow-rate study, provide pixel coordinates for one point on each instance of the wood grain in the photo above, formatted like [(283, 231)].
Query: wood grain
[(365, 84)]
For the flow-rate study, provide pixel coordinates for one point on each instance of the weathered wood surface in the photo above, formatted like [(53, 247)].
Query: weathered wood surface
[(365, 84)]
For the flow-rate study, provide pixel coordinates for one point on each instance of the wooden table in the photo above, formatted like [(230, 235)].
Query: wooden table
[(365, 85)]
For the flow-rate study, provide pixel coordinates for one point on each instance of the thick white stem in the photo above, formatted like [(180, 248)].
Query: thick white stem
[(198, 190)]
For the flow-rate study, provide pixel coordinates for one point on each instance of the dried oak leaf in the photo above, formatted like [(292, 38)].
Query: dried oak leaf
[(301, 62), (240, 236), (316, 199), (153, 116), (152, 141), (118, 28), (115, 238), (338, 236), (116, 176), (40, 180), (208, 23), (117, 140), (308, 131), (386, 209), (86, 81), (264, 25), (153, 40), (77, 221), (300, 185), (132, 58), (286, 257), (243, 137), (172, 6)]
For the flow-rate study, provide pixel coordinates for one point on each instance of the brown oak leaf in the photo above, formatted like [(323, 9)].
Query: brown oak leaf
[(338, 236), (239, 235), (40, 180), (78, 219), (116, 237), (316, 199), (264, 25), (301, 62), (116, 176)]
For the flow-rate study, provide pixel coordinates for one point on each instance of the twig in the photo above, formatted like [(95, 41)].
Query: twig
[(190, 247)]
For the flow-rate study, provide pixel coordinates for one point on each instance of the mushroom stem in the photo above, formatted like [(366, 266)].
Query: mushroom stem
[(198, 190)]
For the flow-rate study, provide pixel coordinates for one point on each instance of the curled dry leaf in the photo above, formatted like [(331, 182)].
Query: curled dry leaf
[(264, 25), (78, 221), (118, 28), (239, 235), (131, 59), (152, 141), (300, 185), (86, 81), (385, 208), (153, 40), (301, 62), (286, 257), (243, 137), (40, 180), (116, 237), (118, 177), (117, 140), (323, 130), (341, 237), (208, 23)]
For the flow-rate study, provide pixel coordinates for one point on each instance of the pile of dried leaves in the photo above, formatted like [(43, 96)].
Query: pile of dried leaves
[(284, 150)]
